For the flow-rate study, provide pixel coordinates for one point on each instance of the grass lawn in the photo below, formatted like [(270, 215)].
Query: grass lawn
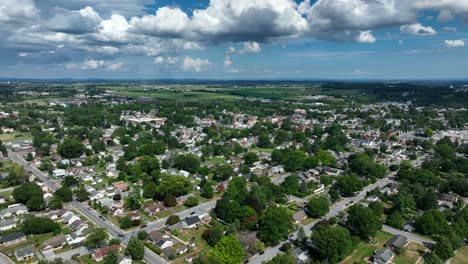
[(364, 250), (461, 256), (411, 254), (15, 135)]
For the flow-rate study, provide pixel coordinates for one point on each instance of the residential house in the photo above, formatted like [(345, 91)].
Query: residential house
[(114, 210), (320, 189), (135, 216), (59, 173), (448, 200), (390, 189), (25, 253), (300, 255), (12, 239), (164, 243), (372, 198), (191, 222), (397, 243), (74, 239), (56, 242), (100, 254), (181, 249), (12, 210), (7, 224), (58, 214), (190, 258), (299, 216), (69, 218), (78, 225), (383, 256), (120, 185), (154, 208)]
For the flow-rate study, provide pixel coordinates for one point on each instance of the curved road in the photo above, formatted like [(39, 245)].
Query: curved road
[(5, 260)]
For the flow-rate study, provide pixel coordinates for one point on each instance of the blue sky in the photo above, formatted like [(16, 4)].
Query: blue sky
[(228, 39)]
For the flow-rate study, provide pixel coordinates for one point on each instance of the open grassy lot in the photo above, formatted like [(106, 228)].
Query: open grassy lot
[(203, 92), (14, 136), (365, 250), (412, 254), (461, 256), (177, 95)]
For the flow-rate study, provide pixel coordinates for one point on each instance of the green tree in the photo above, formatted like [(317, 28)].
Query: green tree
[(33, 225), (229, 250), (318, 206), (432, 258), (214, 233), (443, 248), (55, 202), (349, 184), (149, 190), (81, 194), (142, 235), (174, 185), (170, 200), (96, 236), (191, 201), (377, 208), (172, 220), (432, 222), (250, 158), (189, 162), (125, 222), (395, 220), (135, 249), (111, 258), (294, 160), (71, 148), (65, 193), (207, 190), (363, 222), (264, 141), (223, 172), (36, 203), (311, 162), (331, 243), (275, 225), (26, 191)]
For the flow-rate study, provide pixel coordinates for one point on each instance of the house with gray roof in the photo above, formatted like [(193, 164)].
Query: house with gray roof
[(7, 224), (12, 239), (397, 243), (383, 256), (25, 253)]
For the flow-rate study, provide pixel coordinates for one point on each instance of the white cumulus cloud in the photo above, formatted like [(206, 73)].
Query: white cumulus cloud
[(417, 29), (195, 64), (366, 37), (454, 43)]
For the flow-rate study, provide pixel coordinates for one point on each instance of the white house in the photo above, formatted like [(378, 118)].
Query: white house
[(59, 173)]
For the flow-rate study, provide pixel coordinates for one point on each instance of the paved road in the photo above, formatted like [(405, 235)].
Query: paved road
[(113, 230), (335, 210), (5, 260), (411, 236), (92, 215)]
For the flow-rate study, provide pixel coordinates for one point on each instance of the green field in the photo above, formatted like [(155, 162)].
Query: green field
[(461, 256), (201, 92)]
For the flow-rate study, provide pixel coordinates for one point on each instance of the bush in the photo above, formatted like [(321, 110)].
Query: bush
[(172, 220), (170, 201), (191, 201)]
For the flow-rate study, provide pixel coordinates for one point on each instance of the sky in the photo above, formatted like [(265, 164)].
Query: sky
[(234, 39)]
